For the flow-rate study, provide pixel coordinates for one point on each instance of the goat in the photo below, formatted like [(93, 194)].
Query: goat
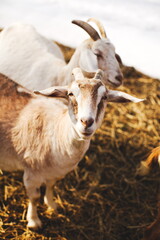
[(152, 232), (37, 63), (153, 158), (47, 133)]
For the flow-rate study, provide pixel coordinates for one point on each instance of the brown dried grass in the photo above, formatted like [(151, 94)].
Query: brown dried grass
[(103, 199)]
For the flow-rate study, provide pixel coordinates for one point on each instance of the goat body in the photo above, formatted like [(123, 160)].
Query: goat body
[(29, 58), (32, 140)]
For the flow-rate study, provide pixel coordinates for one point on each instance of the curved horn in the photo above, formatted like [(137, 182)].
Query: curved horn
[(77, 72), (99, 74), (88, 28), (99, 25)]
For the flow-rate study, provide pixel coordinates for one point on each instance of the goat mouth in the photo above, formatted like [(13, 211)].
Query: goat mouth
[(114, 84), (86, 134)]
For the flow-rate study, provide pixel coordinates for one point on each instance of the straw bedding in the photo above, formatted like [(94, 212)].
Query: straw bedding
[(103, 199)]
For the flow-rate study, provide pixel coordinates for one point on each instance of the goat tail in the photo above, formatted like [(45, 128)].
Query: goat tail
[(153, 159)]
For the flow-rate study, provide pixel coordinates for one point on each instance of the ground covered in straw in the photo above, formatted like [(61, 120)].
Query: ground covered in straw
[(103, 199)]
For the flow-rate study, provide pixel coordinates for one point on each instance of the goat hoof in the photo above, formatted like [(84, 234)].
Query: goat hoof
[(34, 224), (51, 204), (52, 208)]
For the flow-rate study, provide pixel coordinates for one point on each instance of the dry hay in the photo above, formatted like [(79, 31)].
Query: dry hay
[(103, 199)]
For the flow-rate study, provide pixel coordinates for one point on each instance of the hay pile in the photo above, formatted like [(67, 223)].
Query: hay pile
[(103, 199)]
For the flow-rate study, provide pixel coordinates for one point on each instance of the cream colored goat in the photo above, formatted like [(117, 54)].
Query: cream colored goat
[(37, 63), (46, 134)]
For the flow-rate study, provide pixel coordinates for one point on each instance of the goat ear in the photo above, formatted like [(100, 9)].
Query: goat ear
[(118, 58), (118, 96), (88, 61), (59, 92)]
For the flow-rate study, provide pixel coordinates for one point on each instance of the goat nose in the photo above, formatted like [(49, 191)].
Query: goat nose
[(119, 78), (87, 122)]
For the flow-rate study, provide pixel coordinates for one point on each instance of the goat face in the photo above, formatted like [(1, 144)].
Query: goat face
[(107, 60), (87, 99), (99, 53)]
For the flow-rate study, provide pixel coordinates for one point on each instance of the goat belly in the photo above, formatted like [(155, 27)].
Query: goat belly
[(10, 163)]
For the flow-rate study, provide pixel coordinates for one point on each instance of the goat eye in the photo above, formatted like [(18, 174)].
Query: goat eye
[(70, 94), (104, 97), (98, 55)]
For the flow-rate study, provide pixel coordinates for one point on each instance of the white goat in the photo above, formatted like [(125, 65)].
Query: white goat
[(37, 63), (46, 134)]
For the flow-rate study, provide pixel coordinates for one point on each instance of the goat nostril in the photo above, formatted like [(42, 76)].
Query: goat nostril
[(87, 122), (119, 78)]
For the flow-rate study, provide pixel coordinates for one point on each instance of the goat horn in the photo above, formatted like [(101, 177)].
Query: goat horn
[(77, 72), (88, 28), (99, 74), (99, 25)]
